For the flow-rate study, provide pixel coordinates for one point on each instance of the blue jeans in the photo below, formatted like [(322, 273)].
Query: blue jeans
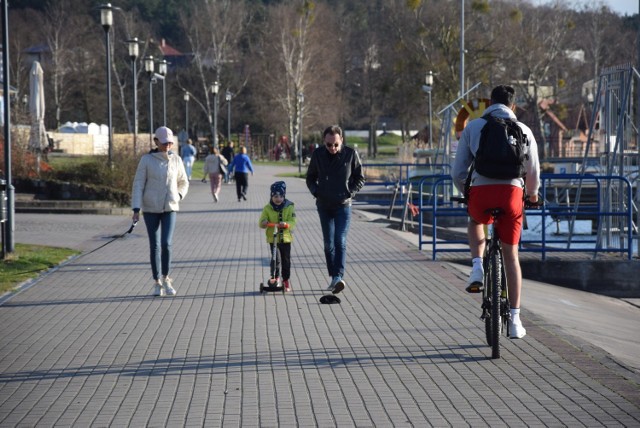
[(188, 165), (160, 228), (335, 226)]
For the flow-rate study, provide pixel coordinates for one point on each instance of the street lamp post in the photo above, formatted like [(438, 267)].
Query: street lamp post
[(149, 68), (215, 88), (133, 54), (162, 71), (429, 84), (106, 19), (300, 102), (227, 97), (186, 113)]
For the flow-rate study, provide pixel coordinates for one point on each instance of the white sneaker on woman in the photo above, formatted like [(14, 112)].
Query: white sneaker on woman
[(157, 288), (168, 288)]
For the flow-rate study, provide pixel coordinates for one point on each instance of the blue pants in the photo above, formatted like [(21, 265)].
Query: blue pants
[(160, 228), (335, 226), (188, 165)]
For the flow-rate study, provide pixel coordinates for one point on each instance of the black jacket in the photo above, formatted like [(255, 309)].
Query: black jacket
[(334, 179)]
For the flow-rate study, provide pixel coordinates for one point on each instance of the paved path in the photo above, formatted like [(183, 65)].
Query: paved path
[(87, 345)]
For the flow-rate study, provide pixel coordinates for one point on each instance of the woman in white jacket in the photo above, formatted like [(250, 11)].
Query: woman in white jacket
[(159, 185)]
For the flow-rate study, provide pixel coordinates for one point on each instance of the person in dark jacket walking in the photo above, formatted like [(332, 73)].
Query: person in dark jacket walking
[(334, 177)]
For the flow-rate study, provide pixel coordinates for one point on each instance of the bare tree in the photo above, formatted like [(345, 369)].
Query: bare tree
[(300, 57), (61, 30), (531, 52), (213, 29)]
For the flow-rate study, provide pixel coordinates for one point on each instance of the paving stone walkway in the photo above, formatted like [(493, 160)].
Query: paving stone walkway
[(87, 344)]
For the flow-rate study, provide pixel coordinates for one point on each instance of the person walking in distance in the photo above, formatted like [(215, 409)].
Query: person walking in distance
[(334, 176), (188, 157), (241, 166), (494, 188), (159, 185), (280, 211), (215, 166), (228, 154)]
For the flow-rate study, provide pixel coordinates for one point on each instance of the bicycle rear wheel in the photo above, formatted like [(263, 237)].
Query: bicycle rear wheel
[(486, 297), (495, 268)]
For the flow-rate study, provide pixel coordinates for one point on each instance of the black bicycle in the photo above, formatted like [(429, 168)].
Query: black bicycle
[(496, 308)]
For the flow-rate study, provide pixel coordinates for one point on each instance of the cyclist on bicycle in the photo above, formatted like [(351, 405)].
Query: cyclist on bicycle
[(486, 193)]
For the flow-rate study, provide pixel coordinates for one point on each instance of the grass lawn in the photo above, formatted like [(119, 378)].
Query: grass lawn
[(27, 261)]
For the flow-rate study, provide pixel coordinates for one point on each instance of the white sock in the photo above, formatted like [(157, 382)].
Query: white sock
[(515, 314), (477, 262)]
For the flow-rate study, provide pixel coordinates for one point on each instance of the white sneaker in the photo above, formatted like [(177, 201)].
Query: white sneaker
[(157, 289), (516, 330), (215, 197), (475, 283), (168, 289)]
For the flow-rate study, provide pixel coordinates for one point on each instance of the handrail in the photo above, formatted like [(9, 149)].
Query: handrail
[(439, 206), (401, 175)]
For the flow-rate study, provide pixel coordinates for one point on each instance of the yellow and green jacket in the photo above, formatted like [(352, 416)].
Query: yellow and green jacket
[(287, 214)]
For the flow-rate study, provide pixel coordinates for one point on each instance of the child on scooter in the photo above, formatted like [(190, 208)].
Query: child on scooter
[(280, 211)]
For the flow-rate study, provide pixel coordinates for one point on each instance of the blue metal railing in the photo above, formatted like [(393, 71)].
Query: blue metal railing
[(399, 175), (433, 198)]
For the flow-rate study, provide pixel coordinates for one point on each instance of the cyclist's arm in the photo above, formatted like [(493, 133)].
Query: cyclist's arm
[(462, 161), (532, 164)]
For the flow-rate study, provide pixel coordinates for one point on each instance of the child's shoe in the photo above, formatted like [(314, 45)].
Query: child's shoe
[(287, 286)]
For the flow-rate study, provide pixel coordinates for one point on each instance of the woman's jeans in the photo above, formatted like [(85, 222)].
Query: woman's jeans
[(188, 165), (160, 228), (335, 226)]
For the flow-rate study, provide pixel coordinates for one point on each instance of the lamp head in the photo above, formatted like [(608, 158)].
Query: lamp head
[(149, 65), (186, 96), (133, 48), (106, 16), (429, 78), (162, 67), (215, 87)]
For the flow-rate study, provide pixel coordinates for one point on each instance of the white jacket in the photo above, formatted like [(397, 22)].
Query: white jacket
[(212, 164), (160, 183), (468, 146)]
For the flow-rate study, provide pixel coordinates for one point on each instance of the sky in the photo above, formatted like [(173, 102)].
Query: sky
[(621, 7)]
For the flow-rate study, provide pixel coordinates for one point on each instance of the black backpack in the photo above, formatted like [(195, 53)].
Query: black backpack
[(503, 149)]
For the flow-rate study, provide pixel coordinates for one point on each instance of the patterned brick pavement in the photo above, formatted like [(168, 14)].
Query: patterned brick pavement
[(87, 344)]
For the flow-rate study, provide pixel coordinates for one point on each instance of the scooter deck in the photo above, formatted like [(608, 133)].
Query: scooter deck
[(271, 288)]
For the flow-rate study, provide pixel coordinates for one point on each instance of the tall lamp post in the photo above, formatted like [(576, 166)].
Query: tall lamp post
[(162, 71), (428, 87), (300, 102), (133, 54), (106, 19), (214, 89), (149, 68), (227, 97), (186, 113)]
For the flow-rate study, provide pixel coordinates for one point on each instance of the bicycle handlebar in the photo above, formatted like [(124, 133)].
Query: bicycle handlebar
[(527, 204)]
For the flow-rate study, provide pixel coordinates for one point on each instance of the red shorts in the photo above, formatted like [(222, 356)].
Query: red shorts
[(483, 198)]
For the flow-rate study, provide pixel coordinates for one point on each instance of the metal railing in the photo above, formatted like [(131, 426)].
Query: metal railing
[(614, 225)]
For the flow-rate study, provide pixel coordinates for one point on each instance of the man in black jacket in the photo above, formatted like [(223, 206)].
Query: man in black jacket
[(334, 177)]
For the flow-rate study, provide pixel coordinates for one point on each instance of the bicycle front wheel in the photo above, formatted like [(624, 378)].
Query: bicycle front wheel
[(495, 268)]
